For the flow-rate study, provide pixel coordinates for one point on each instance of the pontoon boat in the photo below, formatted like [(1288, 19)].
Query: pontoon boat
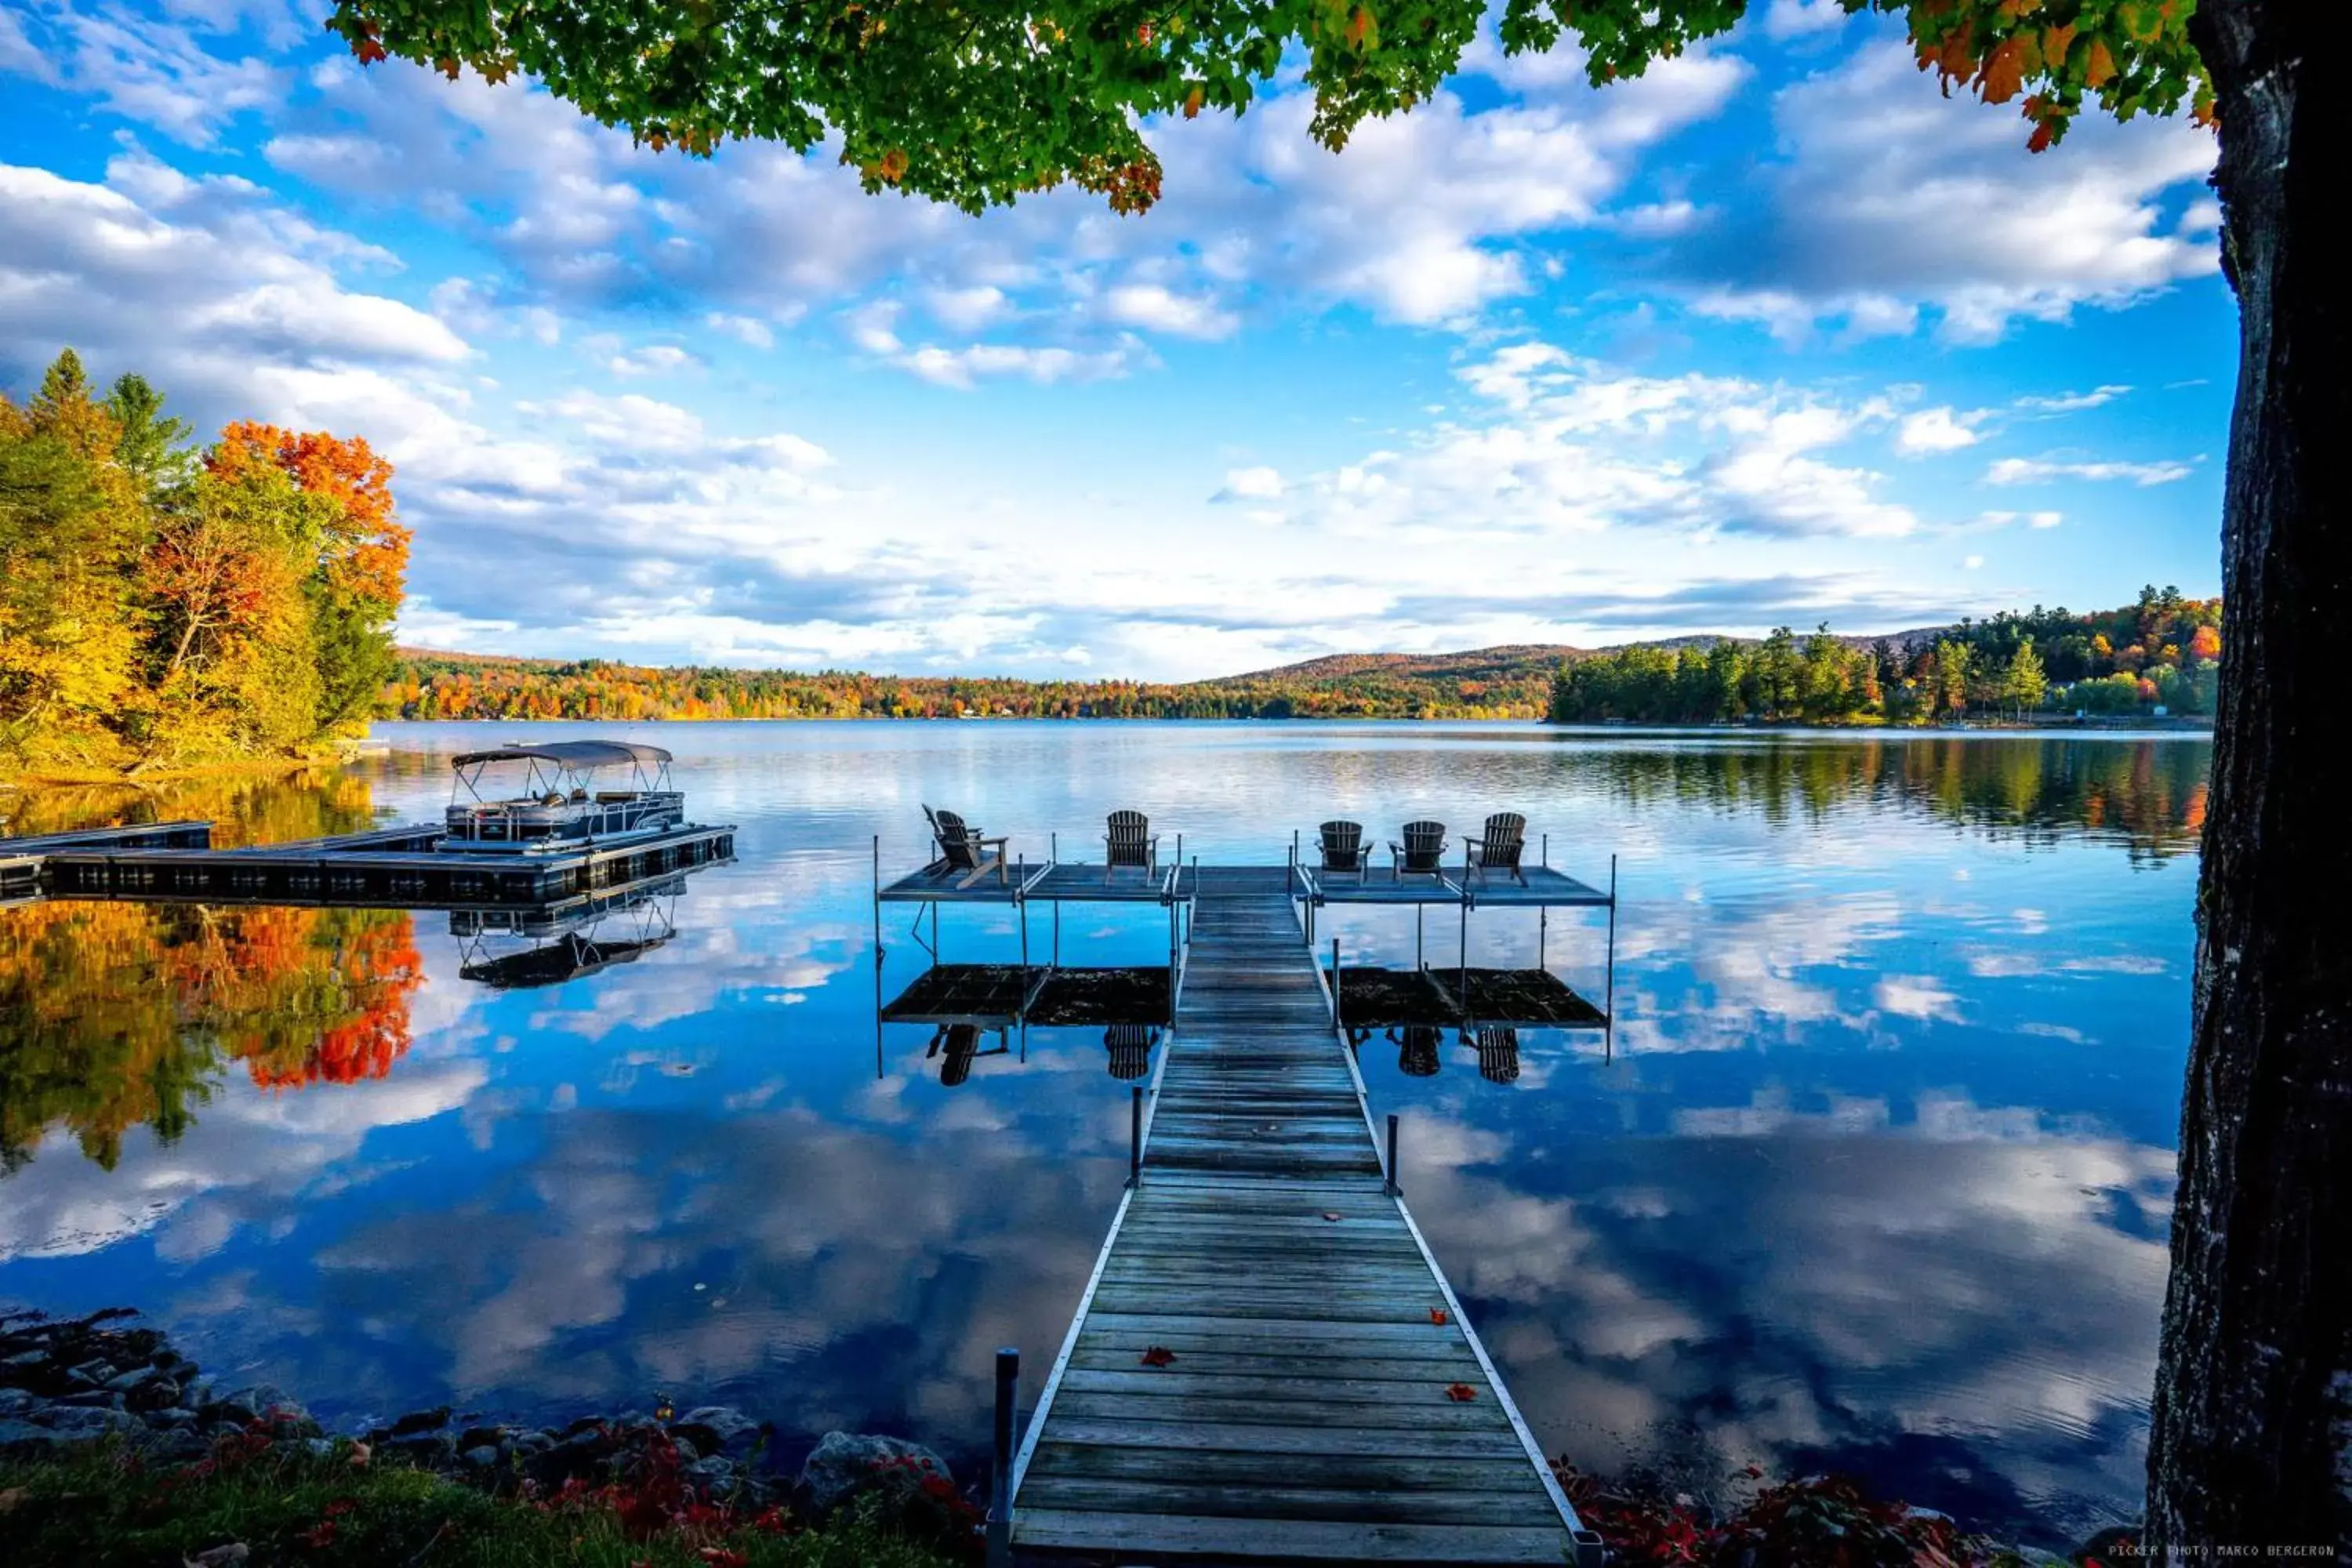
[(556, 806)]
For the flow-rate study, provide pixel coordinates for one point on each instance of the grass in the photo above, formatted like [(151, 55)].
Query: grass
[(98, 1508)]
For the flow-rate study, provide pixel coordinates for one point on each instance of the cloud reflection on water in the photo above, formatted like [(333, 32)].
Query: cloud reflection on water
[(1876, 1170)]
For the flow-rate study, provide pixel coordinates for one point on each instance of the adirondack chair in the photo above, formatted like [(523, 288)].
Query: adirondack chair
[(963, 851), (1129, 1046), (1498, 848), (1417, 1049), (1498, 1053), (1343, 848), (1423, 853), (1130, 843)]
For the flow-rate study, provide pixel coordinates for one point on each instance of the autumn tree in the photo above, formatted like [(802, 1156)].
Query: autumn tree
[(154, 611)]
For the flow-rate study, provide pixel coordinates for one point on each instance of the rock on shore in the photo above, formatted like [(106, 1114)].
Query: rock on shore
[(72, 1380)]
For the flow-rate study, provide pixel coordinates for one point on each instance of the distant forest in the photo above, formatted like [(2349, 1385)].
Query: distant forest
[(2160, 651), (1495, 683)]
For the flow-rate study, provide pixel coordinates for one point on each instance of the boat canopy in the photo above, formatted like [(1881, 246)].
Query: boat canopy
[(571, 754)]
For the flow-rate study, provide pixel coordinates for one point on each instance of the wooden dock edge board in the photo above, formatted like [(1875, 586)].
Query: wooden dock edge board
[(1102, 1259), (1086, 1301), (1568, 1514)]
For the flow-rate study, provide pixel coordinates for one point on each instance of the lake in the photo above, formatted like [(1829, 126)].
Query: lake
[(1873, 1173)]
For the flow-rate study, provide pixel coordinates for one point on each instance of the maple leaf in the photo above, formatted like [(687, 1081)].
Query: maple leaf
[(1439, 1316), (1158, 1355), (2099, 68), (1460, 1393), (1192, 103), (2003, 71)]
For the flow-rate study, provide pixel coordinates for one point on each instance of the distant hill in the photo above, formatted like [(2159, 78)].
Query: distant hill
[(1512, 680)]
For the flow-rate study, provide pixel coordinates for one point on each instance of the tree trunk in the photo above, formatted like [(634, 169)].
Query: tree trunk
[(2252, 1420)]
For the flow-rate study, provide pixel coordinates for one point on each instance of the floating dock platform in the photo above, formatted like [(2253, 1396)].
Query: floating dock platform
[(1267, 1366), (21, 859), (392, 866)]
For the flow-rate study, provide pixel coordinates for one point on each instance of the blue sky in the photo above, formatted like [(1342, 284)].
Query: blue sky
[(1776, 333)]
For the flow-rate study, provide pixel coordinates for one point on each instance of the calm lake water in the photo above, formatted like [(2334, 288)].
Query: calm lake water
[(1875, 1173)]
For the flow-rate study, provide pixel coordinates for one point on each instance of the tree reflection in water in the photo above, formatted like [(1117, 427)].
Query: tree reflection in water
[(115, 1015), (112, 1015)]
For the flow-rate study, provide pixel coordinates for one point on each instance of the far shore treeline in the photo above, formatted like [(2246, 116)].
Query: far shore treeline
[(163, 605), (2157, 653)]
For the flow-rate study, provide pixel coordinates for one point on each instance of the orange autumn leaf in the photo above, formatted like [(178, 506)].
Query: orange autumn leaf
[(1158, 1355), (1439, 1316), (2100, 69), (1460, 1393), (2003, 72), (1193, 100)]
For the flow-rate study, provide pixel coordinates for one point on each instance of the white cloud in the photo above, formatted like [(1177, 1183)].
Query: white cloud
[(1893, 195), (1251, 484), (2073, 402), (144, 69), (1159, 310), (2042, 470), (1933, 430), (1801, 18), (654, 359), (748, 329)]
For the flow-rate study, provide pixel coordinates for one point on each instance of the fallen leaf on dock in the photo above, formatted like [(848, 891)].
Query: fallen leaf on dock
[(1158, 1355), (1329, 1215), (1439, 1316), (1460, 1393)]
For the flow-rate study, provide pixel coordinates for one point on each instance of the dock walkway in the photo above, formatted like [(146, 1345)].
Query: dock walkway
[(1314, 1408)]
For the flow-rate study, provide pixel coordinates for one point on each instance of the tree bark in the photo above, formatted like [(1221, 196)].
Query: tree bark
[(2252, 1441)]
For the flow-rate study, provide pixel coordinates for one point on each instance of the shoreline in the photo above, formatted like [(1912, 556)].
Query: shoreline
[(94, 1398)]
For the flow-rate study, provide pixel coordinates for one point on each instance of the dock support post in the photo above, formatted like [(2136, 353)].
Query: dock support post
[(1335, 984), (1000, 1485), (1020, 907), (1134, 1136), (1543, 928), (1057, 933), (1608, 1005), (877, 899), (1391, 1186), (1419, 912), (1463, 960)]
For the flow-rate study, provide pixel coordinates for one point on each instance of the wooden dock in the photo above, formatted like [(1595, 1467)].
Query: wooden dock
[(1267, 1366)]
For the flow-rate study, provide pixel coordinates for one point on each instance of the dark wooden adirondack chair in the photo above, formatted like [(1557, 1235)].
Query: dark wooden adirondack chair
[(962, 849), (1423, 853), (1343, 848), (1498, 1053), (1417, 1049), (1130, 843), (1129, 1046), (955, 1045), (1498, 848)]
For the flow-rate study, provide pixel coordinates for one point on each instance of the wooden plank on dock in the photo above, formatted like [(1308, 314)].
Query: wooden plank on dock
[(1311, 1392)]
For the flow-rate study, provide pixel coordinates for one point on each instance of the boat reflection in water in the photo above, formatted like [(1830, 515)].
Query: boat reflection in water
[(559, 943)]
